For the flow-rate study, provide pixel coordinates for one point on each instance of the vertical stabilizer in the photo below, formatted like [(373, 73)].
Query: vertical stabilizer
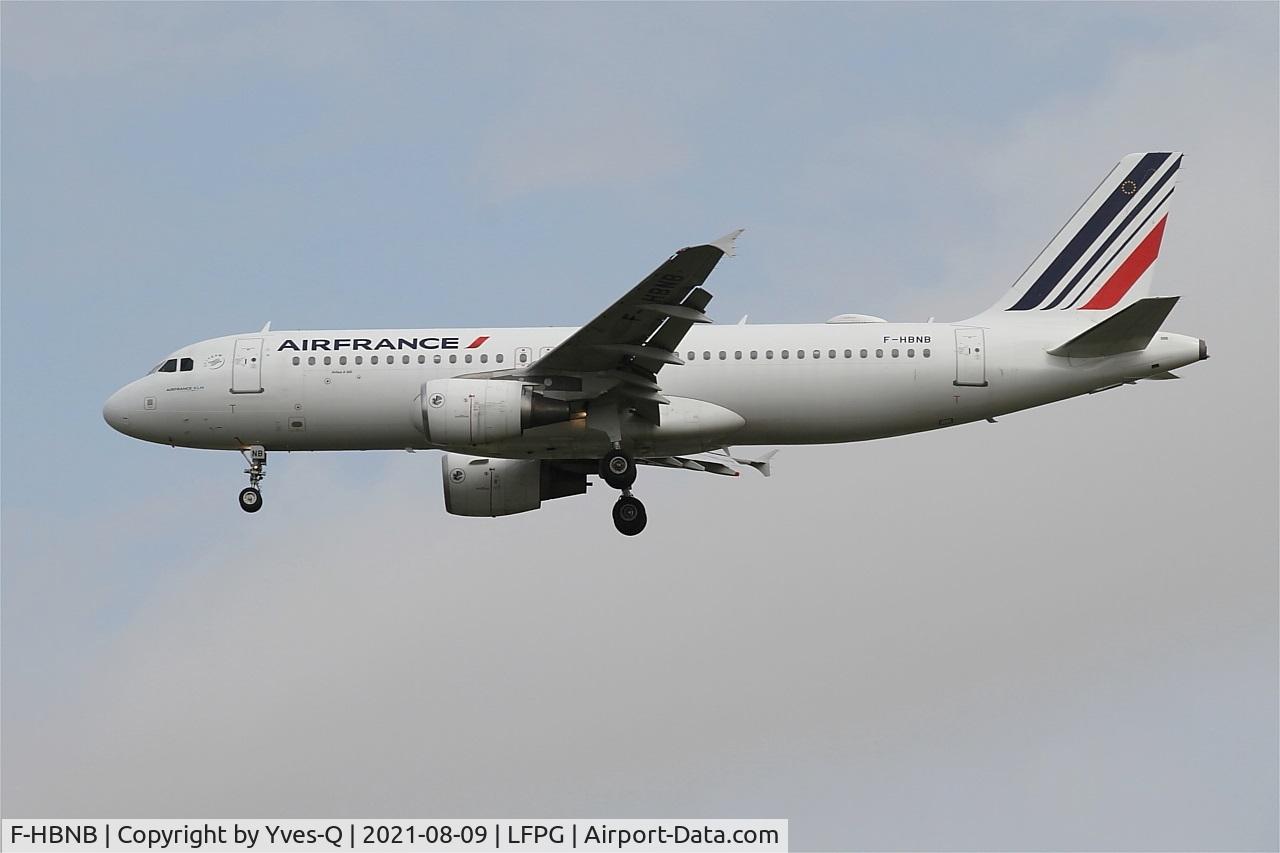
[(1101, 259)]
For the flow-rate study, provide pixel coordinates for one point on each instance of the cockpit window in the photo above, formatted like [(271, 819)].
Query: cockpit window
[(174, 365)]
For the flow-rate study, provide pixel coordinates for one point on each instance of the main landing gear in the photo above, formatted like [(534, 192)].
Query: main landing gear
[(629, 515), (251, 498), (618, 469)]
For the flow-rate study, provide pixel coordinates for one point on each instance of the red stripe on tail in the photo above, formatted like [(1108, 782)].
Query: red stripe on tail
[(1129, 271)]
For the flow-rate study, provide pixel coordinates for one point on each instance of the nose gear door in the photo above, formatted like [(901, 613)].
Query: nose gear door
[(246, 367)]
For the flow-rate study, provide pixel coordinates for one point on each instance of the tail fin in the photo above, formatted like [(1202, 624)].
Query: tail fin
[(1101, 259)]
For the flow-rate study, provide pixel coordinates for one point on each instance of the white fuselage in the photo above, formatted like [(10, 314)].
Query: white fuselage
[(767, 384)]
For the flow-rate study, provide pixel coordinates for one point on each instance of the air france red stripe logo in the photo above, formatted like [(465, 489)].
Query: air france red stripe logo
[(1128, 272), (477, 342)]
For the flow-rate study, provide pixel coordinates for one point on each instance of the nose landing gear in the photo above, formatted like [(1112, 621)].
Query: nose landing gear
[(256, 456), (250, 499), (618, 469)]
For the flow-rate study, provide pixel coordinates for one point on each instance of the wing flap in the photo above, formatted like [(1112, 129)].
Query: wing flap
[(678, 312), (648, 352), (701, 465)]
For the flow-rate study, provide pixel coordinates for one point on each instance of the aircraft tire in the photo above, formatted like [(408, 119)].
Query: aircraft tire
[(629, 515), (618, 469), (250, 499)]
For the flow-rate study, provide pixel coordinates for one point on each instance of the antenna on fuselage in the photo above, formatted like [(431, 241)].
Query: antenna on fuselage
[(266, 328)]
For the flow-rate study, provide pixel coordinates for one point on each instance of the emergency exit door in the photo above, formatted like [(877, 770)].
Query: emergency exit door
[(246, 367), (971, 357)]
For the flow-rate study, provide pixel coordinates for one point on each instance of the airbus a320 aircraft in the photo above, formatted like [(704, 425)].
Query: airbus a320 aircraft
[(528, 415)]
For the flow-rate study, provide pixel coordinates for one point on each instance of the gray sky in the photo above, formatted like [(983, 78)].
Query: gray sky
[(1059, 631)]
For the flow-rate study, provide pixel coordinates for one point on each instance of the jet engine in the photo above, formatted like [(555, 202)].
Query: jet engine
[(489, 487), (477, 411)]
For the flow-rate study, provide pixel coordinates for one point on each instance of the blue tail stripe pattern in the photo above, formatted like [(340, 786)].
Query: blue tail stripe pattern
[(1155, 208), (1085, 237), (1084, 270)]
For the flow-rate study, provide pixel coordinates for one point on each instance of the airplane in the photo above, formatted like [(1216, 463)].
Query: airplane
[(527, 415)]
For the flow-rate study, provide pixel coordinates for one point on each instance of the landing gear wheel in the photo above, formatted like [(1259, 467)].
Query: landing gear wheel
[(250, 499), (256, 456), (629, 515), (618, 469)]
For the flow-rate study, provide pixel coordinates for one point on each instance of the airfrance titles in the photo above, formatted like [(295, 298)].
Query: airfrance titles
[(338, 344)]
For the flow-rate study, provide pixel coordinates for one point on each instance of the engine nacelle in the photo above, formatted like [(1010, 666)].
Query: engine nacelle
[(462, 412), (488, 487)]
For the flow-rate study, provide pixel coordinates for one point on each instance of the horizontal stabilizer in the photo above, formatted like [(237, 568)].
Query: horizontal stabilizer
[(1128, 330)]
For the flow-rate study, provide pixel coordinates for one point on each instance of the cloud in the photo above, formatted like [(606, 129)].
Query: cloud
[(575, 137), (167, 45)]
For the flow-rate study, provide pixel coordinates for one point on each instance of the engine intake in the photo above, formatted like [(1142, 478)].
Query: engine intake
[(490, 487), (470, 412)]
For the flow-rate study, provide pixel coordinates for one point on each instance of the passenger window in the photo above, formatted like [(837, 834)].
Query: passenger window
[(706, 355), (436, 358), (925, 352), (786, 353), (170, 366), (799, 354), (832, 354), (818, 353), (848, 353), (523, 358), (722, 355), (862, 353), (453, 359), (911, 353), (895, 352), (879, 353), (297, 360), (467, 358), (691, 357), (768, 354), (187, 364), (311, 359), (754, 354), (404, 359), (342, 359), (328, 360), (484, 358), (498, 358), (422, 359), (359, 359), (737, 355), (373, 359)]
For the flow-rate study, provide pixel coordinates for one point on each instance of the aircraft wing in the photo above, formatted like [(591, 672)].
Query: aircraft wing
[(632, 339), (713, 462)]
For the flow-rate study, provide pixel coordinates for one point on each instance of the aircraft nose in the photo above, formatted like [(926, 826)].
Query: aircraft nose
[(116, 413)]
